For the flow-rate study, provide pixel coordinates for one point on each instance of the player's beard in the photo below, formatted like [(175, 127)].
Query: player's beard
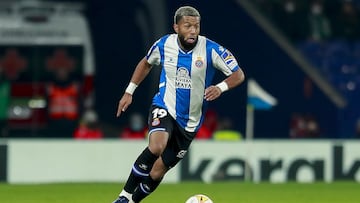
[(187, 46)]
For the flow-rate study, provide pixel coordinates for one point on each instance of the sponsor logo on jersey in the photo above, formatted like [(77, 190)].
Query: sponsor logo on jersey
[(145, 187), (171, 60), (182, 80), (143, 166), (229, 59), (229, 62), (181, 154), (221, 48), (227, 55)]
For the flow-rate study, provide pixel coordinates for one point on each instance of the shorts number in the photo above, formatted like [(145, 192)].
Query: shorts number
[(159, 113)]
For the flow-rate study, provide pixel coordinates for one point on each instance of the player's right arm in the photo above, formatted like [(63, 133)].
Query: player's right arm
[(141, 71)]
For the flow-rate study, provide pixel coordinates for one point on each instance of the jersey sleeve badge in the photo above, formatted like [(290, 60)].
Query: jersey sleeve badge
[(229, 59)]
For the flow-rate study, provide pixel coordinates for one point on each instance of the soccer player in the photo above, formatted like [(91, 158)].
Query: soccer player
[(188, 63)]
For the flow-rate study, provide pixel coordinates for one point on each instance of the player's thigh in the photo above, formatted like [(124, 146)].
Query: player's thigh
[(176, 147), (161, 126)]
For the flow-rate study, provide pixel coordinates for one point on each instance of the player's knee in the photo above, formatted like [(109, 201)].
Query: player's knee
[(157, 148), (158, 142)]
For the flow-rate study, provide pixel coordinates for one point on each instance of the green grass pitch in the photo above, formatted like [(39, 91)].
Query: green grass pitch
[(223, 192)]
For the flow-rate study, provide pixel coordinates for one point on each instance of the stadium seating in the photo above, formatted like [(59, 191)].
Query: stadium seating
[(337, 60)]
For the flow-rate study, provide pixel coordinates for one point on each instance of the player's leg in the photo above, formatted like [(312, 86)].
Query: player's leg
[(157, 143), (151, 182), (139, 171), (144, 164), (175, 150), (159, 128)]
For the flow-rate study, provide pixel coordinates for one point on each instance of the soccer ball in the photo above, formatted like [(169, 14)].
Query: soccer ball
[(199, 198)]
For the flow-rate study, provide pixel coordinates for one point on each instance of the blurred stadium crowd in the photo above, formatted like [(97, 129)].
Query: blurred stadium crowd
[(326, 32)]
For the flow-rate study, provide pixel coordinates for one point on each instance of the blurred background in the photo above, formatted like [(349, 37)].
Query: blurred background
[(65, 64)]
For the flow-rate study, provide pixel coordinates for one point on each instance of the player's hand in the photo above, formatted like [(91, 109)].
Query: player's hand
[(212, 93), (124, 103)]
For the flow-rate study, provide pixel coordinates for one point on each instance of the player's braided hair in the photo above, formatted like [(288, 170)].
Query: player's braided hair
[(185, 11)]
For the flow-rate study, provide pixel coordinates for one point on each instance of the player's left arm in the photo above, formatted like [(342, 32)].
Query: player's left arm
[(225, 61), (233, 80)]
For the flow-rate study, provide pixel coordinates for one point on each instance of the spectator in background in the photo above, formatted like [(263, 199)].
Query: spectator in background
[(64, 99), (266, 7), (88, 127), (209, 125), (226, 132), (297, 126), (136, 129), (290, 19), (346, 24), (313, 129), (304, 126), (319, 24)]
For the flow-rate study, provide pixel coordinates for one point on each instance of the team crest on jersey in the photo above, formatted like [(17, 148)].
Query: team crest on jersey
[(155, 122), (199, 62), (183, 80)]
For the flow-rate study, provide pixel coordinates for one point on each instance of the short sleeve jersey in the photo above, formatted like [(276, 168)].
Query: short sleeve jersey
[(185, 76)]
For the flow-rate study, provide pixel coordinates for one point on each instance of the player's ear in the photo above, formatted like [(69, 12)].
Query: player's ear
[(176, 28)]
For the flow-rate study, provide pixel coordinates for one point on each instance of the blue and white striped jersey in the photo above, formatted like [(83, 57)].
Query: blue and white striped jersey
[(185, 76)]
